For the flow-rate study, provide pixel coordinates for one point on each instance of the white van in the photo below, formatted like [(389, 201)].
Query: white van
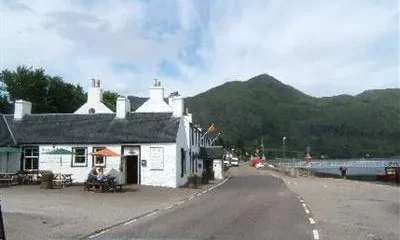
[(235, 162)]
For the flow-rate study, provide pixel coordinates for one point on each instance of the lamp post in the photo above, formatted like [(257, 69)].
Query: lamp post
[(283, 146)]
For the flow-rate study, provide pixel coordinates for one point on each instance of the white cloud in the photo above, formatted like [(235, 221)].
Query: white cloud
[(322, 48)]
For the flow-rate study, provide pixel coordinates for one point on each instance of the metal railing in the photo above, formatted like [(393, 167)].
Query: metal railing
[(336, 163)]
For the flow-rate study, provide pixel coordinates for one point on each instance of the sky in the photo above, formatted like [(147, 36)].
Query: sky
[(322, 48)]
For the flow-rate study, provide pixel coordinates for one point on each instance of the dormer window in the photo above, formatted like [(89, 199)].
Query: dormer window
[(92, 111)]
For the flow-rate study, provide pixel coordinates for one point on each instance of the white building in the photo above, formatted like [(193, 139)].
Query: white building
[(158, 143)]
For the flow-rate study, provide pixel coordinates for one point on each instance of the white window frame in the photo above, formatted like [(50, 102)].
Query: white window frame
[(31, 157), (74, 163), (94, 158)]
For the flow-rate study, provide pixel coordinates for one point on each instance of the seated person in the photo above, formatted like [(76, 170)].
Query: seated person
[(92, 176), (100, 175)]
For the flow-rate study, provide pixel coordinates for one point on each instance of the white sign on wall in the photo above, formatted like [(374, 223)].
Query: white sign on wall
[(129, 151), (156, 158)]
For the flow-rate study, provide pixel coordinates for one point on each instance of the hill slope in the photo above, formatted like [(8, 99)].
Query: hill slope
[(341, 126)]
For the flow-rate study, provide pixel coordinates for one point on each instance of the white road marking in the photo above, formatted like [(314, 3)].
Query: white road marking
[(316, 234), (130, 222), (190, 198), (301, 200), (199, 194), (307, 211), (179, 203), (304, 205), (151, 214), (311, 220), (168, 207), (98, 234)]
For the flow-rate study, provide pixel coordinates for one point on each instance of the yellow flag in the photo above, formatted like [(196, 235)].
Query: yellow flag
[(212, 128)]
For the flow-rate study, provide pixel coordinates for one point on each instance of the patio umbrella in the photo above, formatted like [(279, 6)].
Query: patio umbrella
[(59, 151), (105, 153)]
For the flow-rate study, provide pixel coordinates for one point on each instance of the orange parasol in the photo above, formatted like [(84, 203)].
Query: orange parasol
[(105, 153)]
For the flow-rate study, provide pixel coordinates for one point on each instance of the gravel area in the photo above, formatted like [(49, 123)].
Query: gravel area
[(37, 214), (349, 210)]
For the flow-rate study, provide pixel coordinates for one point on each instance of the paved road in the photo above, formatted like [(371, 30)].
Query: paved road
[(248, 206)]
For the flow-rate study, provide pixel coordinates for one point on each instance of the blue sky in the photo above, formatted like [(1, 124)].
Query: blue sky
[(323, 48)]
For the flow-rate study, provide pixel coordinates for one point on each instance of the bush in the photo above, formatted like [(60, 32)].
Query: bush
[(46, 181), (47, 176)]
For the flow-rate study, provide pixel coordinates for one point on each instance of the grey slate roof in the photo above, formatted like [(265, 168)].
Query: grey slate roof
[(211, 152), (91, 128), (5, 135)]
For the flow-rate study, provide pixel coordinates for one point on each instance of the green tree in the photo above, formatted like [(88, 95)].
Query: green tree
[(110, 99), (48, 94)]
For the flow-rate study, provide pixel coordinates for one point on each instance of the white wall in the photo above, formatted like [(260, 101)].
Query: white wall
[(79, 174), (182, 141), (99, 107), (165, 177), (95, 96), (13, 165), (152, 105)]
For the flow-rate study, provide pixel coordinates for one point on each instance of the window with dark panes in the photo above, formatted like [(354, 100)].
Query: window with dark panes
[(31, 158), (193, 131), (79, 158), (99, 161), (183, 162)]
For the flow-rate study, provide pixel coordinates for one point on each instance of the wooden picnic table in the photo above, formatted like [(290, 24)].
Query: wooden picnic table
[(63, 179), (107, 184), (6, 178)]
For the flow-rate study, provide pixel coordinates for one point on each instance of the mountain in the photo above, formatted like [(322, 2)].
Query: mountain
[(263, 107), (340, 126)]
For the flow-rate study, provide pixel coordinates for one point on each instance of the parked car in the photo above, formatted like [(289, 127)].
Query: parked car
[(235, 162), (227, 163)]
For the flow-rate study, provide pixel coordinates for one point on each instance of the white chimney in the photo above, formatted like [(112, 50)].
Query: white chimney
[(157, 91), (123, 107), (95, 93), (22, 108), (171, 98), (188, 116), (178, 106)]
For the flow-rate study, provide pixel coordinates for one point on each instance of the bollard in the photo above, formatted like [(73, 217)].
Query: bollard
[(2, 231)]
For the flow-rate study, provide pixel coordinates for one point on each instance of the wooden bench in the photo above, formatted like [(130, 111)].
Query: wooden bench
[(88, 186), (102, 187), (6, 181)]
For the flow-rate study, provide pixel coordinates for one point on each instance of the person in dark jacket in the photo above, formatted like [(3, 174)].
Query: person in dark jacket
[(343, 171), (92, 177)]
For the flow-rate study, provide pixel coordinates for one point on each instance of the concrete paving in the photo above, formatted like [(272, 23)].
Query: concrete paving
[(36, 214), (248, 206), (349, 210)]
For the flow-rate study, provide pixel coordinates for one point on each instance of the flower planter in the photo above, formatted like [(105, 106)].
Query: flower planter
[(204, 178), (192, 180), (46, 184), (46, 181)]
